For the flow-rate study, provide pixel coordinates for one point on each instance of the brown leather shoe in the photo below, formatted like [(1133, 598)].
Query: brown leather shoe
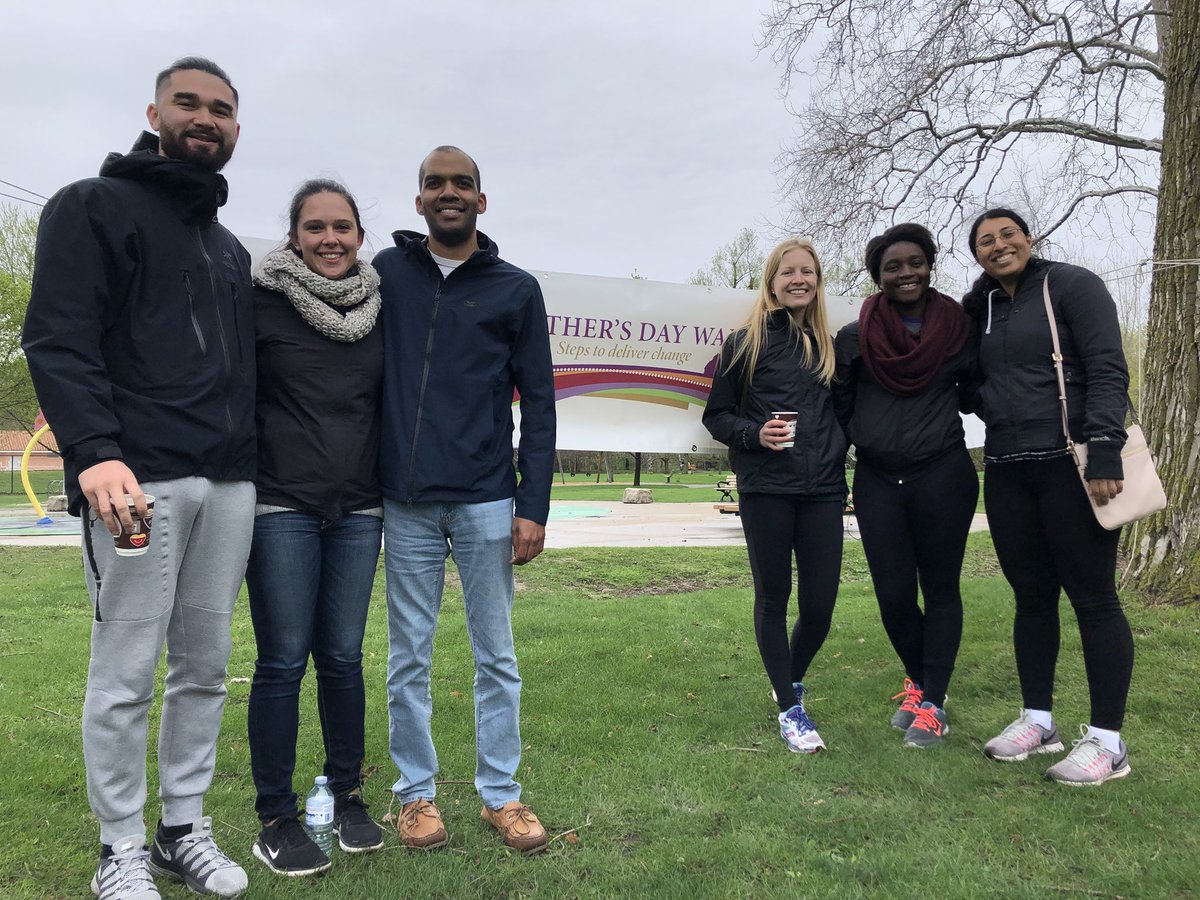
[(518, 826), (420, 825)]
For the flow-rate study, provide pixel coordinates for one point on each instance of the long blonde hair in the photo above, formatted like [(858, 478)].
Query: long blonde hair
[(817, 351)]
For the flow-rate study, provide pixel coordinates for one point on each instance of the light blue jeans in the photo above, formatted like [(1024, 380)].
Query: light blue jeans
[(417, 539)]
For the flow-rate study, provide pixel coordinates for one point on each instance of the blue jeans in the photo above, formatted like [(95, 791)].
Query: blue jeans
[(419, 537), (310, 585)]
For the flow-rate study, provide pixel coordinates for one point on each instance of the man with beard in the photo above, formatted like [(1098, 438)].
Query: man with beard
[(462, 330), (140, 341)]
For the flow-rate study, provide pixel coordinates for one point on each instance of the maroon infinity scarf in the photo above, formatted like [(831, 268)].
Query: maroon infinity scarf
[(902, 362)]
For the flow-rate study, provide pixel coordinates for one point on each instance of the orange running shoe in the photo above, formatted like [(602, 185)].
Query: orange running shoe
[(913, 696), (928, 727)]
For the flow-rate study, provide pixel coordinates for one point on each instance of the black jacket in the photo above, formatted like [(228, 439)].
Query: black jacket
[(816, 465), (455, 351), (899, 435), (139, 333), (1018, 400), (317, 413)]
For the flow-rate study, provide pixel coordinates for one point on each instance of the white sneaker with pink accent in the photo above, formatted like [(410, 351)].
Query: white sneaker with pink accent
[(1090, 762), (1022, 739)]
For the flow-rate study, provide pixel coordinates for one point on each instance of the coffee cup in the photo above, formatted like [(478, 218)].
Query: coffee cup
[(788, 416), (136, 540)]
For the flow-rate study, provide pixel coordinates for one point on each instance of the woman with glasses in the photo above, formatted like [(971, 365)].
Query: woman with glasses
[(1047, 539)]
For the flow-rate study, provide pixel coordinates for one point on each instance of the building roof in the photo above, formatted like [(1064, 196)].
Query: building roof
[(16, 442)]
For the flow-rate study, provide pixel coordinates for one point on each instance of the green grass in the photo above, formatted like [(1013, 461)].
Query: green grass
[(12, 492), (695, 487), (684, 487), (662, 493), (652, 752), (648, 479)]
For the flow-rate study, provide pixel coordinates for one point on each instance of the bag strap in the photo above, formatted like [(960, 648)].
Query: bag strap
[(1058, 358), (1058, 369)]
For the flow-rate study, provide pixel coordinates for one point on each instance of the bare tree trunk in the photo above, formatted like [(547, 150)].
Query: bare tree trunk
[(1164, 551), (1162, 25)]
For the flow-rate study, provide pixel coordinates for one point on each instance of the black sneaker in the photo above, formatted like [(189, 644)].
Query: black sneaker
[(356, 830), (286, 849)]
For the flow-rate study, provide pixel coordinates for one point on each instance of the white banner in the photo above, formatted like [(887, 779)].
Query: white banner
[(634, 359)]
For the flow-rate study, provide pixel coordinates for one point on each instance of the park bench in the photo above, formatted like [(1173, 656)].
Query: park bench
[(727, 486), (727, 505)]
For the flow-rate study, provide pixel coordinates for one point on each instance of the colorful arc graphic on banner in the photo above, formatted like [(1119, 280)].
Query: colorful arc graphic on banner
[(665, 387)]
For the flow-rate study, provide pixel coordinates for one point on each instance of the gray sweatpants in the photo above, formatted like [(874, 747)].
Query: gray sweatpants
[(182, 592)]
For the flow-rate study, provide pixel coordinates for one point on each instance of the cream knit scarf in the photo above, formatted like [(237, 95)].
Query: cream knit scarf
[(320, 300)]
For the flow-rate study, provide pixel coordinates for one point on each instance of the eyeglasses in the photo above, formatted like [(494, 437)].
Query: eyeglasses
[(988, 241)]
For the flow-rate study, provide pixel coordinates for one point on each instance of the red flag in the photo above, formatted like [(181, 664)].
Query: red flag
[(40, 421)]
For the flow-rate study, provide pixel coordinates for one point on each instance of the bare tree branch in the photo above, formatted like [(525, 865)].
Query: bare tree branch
[(1093, 195), (1075, 129), (921, 108)]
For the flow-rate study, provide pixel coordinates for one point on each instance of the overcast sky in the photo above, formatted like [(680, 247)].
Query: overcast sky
[(629, 134)]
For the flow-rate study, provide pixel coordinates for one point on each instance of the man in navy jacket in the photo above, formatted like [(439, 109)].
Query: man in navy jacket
[(465, 335)]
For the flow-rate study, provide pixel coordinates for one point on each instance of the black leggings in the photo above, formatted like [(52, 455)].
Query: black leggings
[(1047, 540), (776, 527), (915, 530)]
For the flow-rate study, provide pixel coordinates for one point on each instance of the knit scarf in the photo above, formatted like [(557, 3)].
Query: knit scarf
[(904, 363), (342, 310)]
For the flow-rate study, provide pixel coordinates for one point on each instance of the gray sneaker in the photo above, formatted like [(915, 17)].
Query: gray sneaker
[(196, 860), (126, 874), (911, 697), (1022, 739), (928, 727), (1089, 762)]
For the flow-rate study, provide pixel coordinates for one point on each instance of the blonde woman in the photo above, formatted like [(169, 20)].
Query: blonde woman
[(791, 485)]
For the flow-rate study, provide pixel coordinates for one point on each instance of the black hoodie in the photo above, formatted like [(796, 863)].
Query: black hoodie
[(139, 333)]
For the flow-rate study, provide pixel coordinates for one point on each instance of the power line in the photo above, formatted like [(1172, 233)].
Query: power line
[(23, 189), (20, 199)]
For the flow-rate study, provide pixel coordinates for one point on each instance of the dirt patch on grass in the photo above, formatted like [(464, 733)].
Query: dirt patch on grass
[(678, 585)]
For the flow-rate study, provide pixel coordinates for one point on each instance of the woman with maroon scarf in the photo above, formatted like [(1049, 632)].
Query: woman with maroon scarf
[(903, 371)]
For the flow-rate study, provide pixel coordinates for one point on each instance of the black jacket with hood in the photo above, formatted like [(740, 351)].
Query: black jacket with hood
[(455, 349), (901, 435), (1018, 400), (816, 466), (139, 333), (317, 411)]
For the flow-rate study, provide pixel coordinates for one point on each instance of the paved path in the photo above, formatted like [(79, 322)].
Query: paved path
[(615, 524), (573, 523)]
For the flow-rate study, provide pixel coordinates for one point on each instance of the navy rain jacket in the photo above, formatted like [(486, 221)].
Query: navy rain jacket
[(455, 349)]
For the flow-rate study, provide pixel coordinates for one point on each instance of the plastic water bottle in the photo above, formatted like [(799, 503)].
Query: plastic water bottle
[(318, 815)]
